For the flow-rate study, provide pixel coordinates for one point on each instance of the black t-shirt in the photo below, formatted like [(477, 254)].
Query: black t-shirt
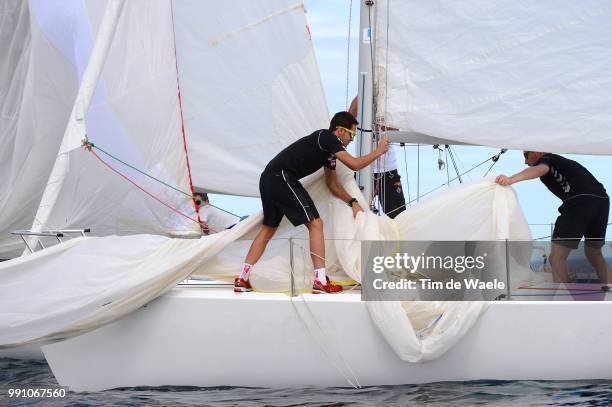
[(567, 179), (308, 154)]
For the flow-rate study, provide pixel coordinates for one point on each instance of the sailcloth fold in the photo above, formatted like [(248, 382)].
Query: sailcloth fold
[(78, 286)]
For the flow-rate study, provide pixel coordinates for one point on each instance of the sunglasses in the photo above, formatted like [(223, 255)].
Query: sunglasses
[(526, 154), (349, 131)]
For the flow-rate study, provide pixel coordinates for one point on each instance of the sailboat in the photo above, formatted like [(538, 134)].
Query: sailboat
[(114, 315)]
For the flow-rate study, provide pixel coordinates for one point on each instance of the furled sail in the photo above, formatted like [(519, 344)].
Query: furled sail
[(523, 75)]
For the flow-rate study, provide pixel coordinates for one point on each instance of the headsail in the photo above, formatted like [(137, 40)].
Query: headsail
[(39, 79), (134, 116), (523, 75), (239, 108), (250, 86)]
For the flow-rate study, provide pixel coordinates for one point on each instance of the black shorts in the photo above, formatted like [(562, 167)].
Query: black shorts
[(583, 215), (394, 202), (283, 195)]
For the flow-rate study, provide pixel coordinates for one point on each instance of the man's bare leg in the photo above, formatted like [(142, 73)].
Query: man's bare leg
[(558, 258), (259, 244), (595, 257), (322, 283), (241, 283), (317, 243)]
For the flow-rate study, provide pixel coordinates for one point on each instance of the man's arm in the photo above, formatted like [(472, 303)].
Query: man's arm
[(528, 173), (331, 179), (357, 163)]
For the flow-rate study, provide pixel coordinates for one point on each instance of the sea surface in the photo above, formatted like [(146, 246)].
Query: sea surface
[(23, 374)]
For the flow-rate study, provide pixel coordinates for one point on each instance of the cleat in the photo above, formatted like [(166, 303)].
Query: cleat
[(329, 288), (241, 285)]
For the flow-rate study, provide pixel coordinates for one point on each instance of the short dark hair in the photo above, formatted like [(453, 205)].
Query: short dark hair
[(342, 119)]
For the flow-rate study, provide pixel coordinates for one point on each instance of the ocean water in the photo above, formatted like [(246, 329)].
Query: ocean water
[(15, 373)]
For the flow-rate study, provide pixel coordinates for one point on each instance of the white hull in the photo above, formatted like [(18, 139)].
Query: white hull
[(213, 337)]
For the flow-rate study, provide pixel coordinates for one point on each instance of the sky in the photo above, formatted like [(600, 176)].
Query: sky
[(328, 20)]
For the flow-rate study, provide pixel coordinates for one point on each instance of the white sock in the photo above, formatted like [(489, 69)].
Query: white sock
[(320, 275), (246, 270)]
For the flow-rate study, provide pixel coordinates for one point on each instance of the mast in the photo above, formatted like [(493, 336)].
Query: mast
[(365, 93), (75, 132)]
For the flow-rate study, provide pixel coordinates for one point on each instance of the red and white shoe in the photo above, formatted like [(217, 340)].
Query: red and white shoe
[(241, 285), (330, 288)]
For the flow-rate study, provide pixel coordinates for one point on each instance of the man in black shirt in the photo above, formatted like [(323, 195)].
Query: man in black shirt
[(584, 211), (282, 194)]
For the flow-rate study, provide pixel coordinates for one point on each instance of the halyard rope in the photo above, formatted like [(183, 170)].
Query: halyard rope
[(178, 90)]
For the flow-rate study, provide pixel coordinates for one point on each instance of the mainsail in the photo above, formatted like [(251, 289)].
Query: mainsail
[(523, 75)]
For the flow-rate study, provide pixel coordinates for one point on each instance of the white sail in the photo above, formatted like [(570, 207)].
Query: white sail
[(43, 54), (103, 279), (76, 132), (525, 75), (250, 86), (134, 116)]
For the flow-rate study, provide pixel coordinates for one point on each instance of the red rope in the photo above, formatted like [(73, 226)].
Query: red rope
[(149, 193), (178, 88)]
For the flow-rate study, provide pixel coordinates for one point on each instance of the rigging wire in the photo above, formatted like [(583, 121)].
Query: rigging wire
[(452, 157), (438, 187), (418, 172), (372, 139), (406, 167), (549, 236), (348, 52), (495, 159), (89, 145), (370, 4), (382, 193), (147, 192), (447, 169)]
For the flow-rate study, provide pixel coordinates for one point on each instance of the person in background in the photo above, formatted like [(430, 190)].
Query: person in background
[(387, 181), (214, 219), (584, 211)]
